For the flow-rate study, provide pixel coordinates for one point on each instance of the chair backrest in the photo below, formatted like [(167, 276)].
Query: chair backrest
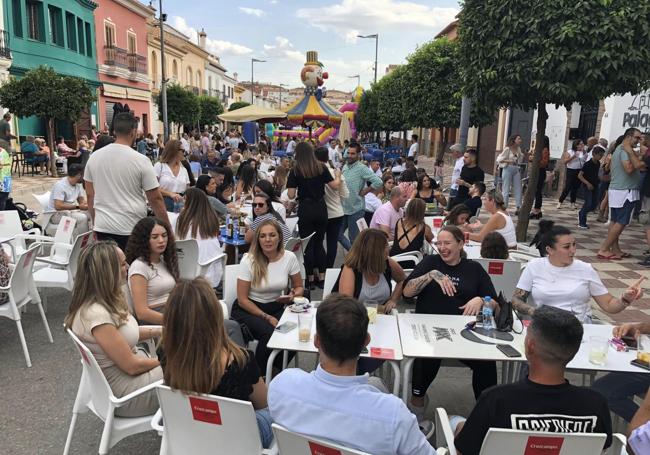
[(292, 224), (93, 380), (64, 230), (81, 242), (503, 273), (42, 199), (517, 442), (10, 224), (293, 245), (201, 423), (362, 224), (291, 443), (330, 279), (187, 252), (21, 281), (230, 285), (305, 241)]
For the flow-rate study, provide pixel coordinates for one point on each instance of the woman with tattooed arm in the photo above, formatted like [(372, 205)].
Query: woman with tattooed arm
[(448, 283)]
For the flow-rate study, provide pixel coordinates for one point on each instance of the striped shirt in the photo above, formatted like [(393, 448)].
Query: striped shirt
[(357, 176)]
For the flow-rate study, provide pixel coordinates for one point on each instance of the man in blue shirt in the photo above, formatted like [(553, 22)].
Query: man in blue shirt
[(357, 176), (32, 153), (334, 403)]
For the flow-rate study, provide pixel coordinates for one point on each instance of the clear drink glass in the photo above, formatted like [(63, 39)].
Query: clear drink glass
[(598, 347), (372, 312), (643, 349), (304, 326)]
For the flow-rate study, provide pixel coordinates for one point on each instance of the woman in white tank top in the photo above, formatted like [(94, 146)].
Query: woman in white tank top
[(499, 220)]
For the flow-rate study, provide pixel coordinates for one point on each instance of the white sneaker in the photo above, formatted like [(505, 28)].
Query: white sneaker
[(573, 206), (559, 205)]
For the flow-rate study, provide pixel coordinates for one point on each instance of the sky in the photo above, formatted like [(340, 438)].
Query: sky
[(281, 31)]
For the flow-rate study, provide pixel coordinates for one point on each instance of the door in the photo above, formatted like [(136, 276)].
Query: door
[(521, 123), (487, 146)]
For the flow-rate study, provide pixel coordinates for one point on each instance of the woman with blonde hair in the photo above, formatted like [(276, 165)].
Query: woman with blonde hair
[(201, 358), (263, 276), (411, 231), (171, 174), (500, 221), (99, 316), (280, 179)]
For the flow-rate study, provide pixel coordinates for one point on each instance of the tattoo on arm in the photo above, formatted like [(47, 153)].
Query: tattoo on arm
[(520, 302), (415, 286)]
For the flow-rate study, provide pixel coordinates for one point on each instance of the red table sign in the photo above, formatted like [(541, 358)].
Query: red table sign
[(542, 445), (437, 222), (318, 449), (382, 353), (205, 410), (495, 268)]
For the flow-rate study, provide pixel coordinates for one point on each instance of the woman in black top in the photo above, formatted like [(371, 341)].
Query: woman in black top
[(309, 177), (200, 358), (410, 231), (426, 191), (449, 283)]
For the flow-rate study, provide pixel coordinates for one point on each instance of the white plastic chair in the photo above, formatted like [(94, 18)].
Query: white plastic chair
[(189, 266), (95, 394), (21, 290), (44, 200), (292, 443), (12, 228), (60, 274), (59, 246), (292, 224), (503, 273), (230, 285), (330, 279), (527, 249), (201, 423)]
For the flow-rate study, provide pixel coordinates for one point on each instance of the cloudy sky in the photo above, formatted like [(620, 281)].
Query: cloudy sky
[(281, 31)]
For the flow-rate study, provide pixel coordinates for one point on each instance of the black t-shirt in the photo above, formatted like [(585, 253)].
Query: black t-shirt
[(470, 175), (5, 130), (590, 172), (236, 382), (646, 179), (312, 188), (470, 278), (535, 407), (473, 204)]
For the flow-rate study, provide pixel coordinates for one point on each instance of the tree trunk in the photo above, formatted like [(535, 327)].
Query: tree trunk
[(440, 153), (51, 144), (533, 174)]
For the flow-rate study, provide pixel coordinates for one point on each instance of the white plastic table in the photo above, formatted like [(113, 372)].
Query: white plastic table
[(384, 343)]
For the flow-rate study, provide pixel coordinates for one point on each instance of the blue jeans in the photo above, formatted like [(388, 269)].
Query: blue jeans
[(591, 202), (350, 223), (264, 422), (511, 176), (620, 388)]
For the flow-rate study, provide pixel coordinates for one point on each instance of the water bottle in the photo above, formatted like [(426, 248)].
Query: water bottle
[(178, 205), (488, 314)]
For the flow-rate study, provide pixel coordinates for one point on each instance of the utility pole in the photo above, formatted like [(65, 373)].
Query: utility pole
[(376, 37), (163, 82), (358, 77), (281, 85), (253, 61)]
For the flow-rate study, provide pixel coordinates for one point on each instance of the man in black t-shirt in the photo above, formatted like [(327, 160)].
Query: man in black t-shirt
[(544, 401), (474, 202), (469, 174), (588, 175)]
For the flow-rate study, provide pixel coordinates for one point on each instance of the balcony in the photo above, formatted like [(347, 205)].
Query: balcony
[(137, 63), (115, 58), (5, 50), (120, 63)]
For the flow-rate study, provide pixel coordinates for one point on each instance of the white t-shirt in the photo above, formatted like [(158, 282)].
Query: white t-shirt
[(185, 145), (63, 191), (208, 248), (160, 281), (413, 150), (120, 177), (455, 175), (169, 181), (277, 277), (569, 288), (372, 202), (578, 162), (291, 146)]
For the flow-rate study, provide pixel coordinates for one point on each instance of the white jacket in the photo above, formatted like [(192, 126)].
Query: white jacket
[(333, 197)]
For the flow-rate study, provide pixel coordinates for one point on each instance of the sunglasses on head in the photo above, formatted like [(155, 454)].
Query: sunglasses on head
[(259, 204)]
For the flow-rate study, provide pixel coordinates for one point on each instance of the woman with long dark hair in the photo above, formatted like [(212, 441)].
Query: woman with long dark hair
[(263, 210), (266, 187), (541, 179), (574, 159), (208, 185), (309, 177), (247, 176)]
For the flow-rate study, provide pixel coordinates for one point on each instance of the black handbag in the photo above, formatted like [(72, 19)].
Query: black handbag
[(504, 320)]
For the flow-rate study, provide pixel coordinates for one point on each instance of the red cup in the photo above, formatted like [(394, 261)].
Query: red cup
[(466, 238)]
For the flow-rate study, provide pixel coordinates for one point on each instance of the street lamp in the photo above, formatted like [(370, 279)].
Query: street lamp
[(253, 61), (358, 79), (281, 85), (163, 82), (376, 37)]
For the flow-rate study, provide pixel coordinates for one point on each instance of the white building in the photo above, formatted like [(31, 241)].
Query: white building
[(5, 51), (217, 82)]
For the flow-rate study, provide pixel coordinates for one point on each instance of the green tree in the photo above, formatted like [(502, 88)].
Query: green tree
[(530, 53), (367, 120), (44, 93), (183, 106), (210, 108), (391, 102), (238, 105)]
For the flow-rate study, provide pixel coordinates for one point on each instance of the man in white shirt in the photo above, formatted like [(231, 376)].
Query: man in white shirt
[(291, 146), (457, 153), (413, 150), (119, 183), (66, 199), (334, 403), (333, 154), (375, 166), (185, 144)]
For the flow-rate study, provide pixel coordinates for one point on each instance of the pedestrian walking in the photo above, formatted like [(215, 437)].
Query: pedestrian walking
[(574, 159)]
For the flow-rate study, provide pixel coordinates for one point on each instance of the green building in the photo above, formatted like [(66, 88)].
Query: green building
[(59, 34)]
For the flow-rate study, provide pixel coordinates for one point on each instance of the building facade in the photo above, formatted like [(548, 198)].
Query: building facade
[(5, 50), (121, 48), (59, 34)]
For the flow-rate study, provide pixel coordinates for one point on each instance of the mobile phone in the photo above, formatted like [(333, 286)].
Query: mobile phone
[(508, 350), (630, 342), (638, 363), (286, 327), (364, 350)]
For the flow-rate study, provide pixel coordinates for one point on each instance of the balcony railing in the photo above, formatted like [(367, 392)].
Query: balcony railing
[(5, 50), (137, 63), (115, 56)]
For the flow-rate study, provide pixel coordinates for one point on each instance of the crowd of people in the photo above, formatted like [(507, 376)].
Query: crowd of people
[(139, 210)]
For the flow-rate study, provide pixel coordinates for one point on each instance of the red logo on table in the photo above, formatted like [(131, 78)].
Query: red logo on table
[(543, 445), (319, 449), (205, 410), (437, 222), (66, 226), (495, 268), (382, 353)]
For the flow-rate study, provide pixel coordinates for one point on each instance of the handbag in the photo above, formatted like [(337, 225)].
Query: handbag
[(504, 320)]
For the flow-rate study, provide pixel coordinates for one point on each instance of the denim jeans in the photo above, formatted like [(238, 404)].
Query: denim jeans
[(263, 417), (350, 223), (511, 176), (620, 388), (591, 202)]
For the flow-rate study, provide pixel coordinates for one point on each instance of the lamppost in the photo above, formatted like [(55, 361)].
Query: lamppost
[(281, 85), (376, 37), (163, 82), (253, 61), (358, 79)]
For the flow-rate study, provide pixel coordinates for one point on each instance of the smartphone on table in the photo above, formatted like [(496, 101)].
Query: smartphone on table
[(286, 327), (508, 350)]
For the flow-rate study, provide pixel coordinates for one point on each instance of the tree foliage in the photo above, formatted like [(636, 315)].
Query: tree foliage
[(210, 108), (391, 102), (182, 105), (367, 119), (238, 105), (529, 53)]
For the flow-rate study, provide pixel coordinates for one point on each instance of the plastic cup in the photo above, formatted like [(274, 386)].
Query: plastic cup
[(372, 312), (304, 326), (598, 347), (643, 349), (437, 222), (466, 238)]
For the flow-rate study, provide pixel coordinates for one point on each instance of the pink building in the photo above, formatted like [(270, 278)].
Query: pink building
[(121, 31)]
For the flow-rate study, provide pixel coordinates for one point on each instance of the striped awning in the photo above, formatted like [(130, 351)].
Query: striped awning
[(311, 112)]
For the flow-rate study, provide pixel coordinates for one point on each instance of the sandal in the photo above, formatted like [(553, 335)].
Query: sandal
[(612, 257)]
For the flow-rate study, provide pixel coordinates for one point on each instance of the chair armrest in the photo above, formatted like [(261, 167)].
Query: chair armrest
[(156, 422), (211, 261), (41, 238), (444, 434), (118, 402), (52, 261), (224, 307)]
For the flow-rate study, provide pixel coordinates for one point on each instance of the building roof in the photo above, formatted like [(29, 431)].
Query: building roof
[(448, 29)]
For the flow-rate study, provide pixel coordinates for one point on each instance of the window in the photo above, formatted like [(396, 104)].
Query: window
[(109, 34), (224, 90), (154, 68), (210, 83), (35, 20), (89, 40), (131, 46), (56, 25), (17, 17), (175, 69), (80, 35), (188, 79), (71, 30), (199, 82)]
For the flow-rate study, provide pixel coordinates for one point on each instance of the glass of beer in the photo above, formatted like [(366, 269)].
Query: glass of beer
[(372, 312), (598, 347), (304, 326), (643, 349)]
